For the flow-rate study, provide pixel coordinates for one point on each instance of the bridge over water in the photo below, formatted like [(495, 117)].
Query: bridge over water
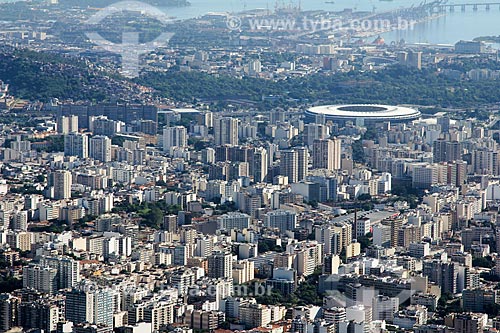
[(474, 6)]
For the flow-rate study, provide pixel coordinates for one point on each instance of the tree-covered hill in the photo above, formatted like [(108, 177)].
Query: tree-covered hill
[(395, 85), (42, 76)]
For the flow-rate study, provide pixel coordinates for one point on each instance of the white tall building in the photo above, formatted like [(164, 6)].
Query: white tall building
[(384, 307), (426, 175), (208, 155), (260, 165), (101, 125), (289, 165), (61, 182), (204, 246), (42, 279), (254, 67), (243, 271), (385, 183), (255, 315), (360, 314), (226, 131), (67, 124), (294, 164), (330, 237), (20, 220), (326, 154), (220, 265), (76, 144), (183, 280), (233, 221), (68, 270), (174, 137), (308, 256), (303, 163), (282, 220), (89, 303), (363, 226), (100, 148), (313, 132), (159, 314)]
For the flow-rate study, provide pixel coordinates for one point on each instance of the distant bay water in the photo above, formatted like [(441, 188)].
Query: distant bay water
[(446, 30)]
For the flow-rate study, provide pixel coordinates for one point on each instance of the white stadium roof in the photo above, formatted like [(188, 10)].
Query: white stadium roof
[(365, 111)]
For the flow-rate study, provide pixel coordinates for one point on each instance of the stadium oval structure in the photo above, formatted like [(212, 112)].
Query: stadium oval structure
[(361, 114)]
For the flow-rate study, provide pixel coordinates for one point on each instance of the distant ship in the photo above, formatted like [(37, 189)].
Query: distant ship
[(387, 0), (330, 2)]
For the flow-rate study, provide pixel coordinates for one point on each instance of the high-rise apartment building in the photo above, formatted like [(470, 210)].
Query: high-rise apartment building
[(76, 144), (447, 151), (220, 265), (233, 220), (68, 270), (313, 132), (39, 278), (90, 303), (326, 154), (67, 124), (60, 181), (174, 137), (260, 165), (226, 131), (289, 165), (101, 125), (282, 220), (302, 163), (100, 148), (8, 311)]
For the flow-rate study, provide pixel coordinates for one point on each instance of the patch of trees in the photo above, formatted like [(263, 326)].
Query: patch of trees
[(9, 284), (485, 262), (152, 213)]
